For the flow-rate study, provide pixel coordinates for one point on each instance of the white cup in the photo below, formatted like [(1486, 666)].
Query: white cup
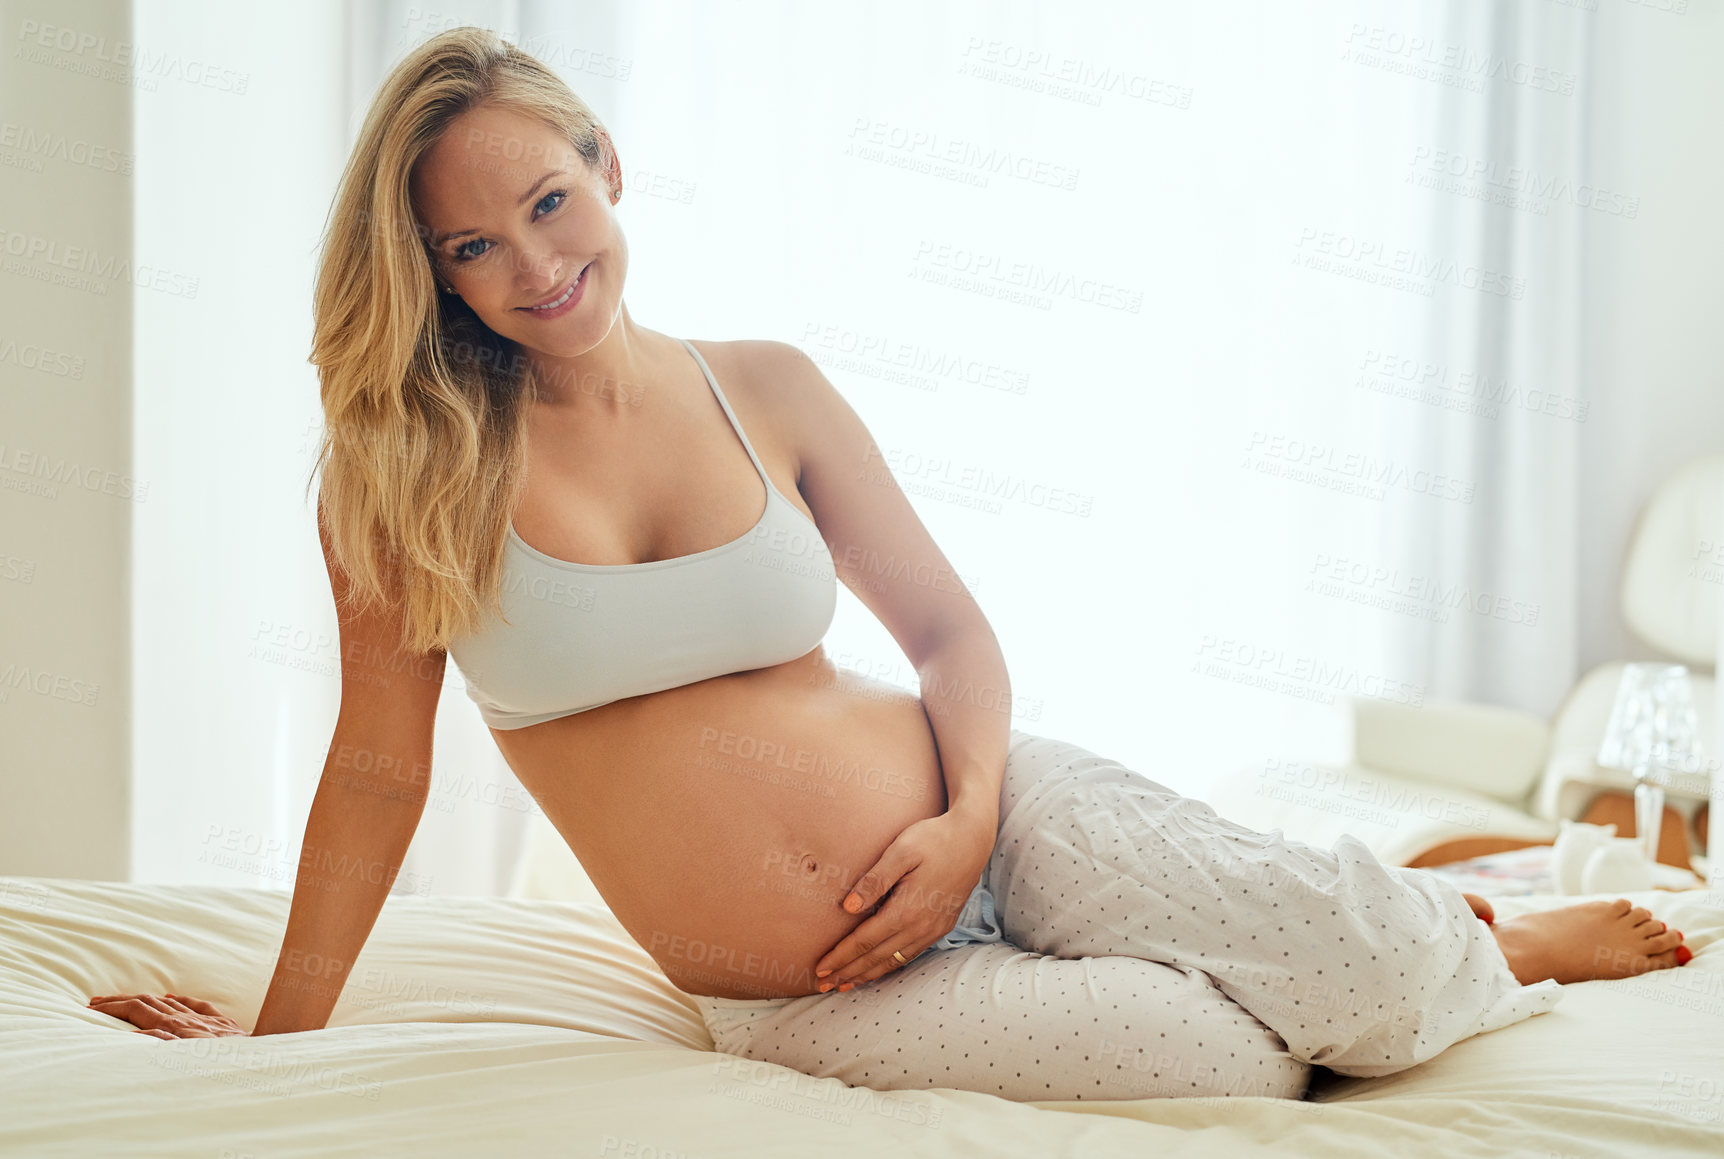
[(1620, 866), (1576, 842)]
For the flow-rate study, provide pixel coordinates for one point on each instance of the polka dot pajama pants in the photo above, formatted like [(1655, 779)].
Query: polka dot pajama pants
[(1152, 948)]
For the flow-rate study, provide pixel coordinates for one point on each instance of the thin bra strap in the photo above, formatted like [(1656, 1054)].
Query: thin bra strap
[(729, 414)]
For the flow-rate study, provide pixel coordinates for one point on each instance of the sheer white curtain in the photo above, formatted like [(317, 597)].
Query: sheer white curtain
[(1503, 176), (1128, 294), (234, 649)]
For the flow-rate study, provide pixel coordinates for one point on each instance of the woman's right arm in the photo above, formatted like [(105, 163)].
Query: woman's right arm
[(368, 804)]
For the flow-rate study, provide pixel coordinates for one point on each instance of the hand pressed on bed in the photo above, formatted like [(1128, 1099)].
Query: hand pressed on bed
[(168, 1016), (921, 883)]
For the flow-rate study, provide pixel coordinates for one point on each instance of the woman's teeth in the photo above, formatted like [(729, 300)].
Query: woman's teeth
[(564, 297)]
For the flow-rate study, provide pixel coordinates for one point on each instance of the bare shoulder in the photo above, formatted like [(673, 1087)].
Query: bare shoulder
[(774, 387), (771, 373)]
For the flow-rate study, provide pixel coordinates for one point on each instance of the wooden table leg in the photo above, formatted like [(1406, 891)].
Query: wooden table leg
[(1617, 808)]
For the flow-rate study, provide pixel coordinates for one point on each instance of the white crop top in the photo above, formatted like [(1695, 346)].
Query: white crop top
[(575, 636)]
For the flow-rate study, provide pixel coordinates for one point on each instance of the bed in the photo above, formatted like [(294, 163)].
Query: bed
[(510, 1026)]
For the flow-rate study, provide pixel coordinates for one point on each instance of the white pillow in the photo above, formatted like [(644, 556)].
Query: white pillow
[(1485, 748)]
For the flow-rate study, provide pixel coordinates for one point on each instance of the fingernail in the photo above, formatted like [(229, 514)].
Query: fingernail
[(846, 986), (825, 986), (853, 903), (1684, 955), (821, 973)]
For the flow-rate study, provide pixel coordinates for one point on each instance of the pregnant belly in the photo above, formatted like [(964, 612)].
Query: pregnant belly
[(724, 822)]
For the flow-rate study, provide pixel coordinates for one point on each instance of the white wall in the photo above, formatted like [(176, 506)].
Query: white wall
[(1654, 298), (68, 489)]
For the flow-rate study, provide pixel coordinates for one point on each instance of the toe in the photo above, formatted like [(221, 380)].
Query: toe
[(1638, 915), (1637, 964), (1652, 928), (1619, 907), (1664, 942)]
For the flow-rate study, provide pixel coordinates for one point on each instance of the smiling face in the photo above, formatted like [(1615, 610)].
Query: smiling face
[(523, 229)]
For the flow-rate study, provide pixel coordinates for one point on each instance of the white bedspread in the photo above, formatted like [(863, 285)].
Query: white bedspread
[(490, 1026)]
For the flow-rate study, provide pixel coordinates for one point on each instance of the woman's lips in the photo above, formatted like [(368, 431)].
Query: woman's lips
[(562, 302)]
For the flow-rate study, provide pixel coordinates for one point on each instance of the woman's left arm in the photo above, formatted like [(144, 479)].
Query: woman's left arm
[(885, 555)]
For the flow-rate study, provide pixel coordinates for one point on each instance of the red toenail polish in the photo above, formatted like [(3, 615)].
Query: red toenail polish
[(1683, 955), (1487, 920)]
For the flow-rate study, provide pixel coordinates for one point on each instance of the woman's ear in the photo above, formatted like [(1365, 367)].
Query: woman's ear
[(613, 175)]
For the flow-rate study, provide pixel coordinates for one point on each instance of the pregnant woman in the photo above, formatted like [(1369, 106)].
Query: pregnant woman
[(630, 543)]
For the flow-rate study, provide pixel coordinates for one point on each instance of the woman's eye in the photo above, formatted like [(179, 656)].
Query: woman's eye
[(544, 205)]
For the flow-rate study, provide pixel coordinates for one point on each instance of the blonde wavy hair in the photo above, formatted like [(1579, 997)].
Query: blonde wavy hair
[(424, 406)]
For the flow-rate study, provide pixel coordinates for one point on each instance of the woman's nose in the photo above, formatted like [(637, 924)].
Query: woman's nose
[(540, 271)]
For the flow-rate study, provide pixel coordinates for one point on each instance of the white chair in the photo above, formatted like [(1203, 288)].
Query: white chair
[(1422, 780)]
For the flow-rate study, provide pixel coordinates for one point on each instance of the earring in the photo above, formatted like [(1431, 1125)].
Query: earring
[(447, 289)]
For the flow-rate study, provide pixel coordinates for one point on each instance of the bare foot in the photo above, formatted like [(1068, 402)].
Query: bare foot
[(1481, 908), (1594, 939)]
